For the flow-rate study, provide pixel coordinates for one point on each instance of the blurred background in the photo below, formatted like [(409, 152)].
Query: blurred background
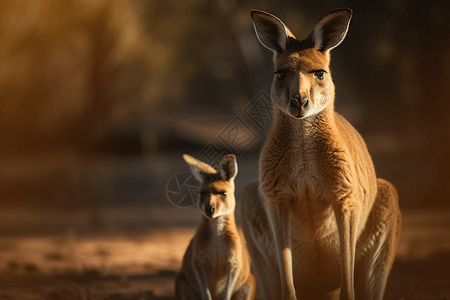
[(99, 99)]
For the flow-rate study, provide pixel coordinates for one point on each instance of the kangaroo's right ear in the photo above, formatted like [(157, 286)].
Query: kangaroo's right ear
[(228, 167), (271, 32), (199, 169)]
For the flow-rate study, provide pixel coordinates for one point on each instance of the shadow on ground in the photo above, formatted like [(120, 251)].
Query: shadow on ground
[(411, 279), (86, 285), (421, 279)]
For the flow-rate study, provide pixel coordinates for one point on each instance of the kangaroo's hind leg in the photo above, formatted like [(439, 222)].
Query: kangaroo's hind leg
[(258, 236), (183, 290), (377, 246), (246, 291)]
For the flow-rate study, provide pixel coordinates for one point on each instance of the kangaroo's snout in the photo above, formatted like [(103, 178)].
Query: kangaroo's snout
[(299, 108), (209, 210)]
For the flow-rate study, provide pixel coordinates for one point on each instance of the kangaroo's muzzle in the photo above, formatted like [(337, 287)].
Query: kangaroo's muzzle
[(209, 210), (299, 108)]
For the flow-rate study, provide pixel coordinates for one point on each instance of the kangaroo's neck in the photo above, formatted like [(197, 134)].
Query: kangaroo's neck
[(302, 131), (220, 225)]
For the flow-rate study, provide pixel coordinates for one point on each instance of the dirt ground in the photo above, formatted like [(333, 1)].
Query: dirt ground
[(129, 259)]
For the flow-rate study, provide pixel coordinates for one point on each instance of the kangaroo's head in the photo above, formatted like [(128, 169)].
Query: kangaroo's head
[(217, 187), (302, 85)]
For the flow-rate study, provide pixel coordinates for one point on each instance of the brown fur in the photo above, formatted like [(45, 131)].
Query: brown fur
[(334, 226), (216, 264)]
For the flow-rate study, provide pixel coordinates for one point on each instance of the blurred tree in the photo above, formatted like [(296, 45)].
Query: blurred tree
[(81, 76)]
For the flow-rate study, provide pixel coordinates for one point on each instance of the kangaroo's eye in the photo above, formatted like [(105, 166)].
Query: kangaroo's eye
[(281, 75), (319, 74), (222, 193)]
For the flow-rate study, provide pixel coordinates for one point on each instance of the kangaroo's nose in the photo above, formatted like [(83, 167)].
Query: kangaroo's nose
[(209, 210), (299, 107), (299, 103)]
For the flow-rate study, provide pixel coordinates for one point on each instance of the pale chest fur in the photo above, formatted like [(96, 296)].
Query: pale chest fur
[(309, 173), (216, 253), (310, 169)]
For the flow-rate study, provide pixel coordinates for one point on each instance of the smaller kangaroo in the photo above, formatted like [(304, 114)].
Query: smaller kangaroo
[(216, 264)]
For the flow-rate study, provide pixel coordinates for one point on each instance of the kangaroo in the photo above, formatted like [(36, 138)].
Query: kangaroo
[(216, 264), (318, 223)]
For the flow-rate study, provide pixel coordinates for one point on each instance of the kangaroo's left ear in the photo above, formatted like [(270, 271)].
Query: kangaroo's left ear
[(228, 168), (331, 29)]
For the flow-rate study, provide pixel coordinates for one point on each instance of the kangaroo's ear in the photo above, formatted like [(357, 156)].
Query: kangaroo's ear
[(228, 168), (199, 169), (271, 32), (331, 29)]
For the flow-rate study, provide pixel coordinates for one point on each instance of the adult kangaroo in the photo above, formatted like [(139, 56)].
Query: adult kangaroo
[(318, 223)]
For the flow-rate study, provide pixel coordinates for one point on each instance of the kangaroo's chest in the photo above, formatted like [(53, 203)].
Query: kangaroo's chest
[(310, 180), (310, 188), (218, 259), (215, 256), (305, 175)]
